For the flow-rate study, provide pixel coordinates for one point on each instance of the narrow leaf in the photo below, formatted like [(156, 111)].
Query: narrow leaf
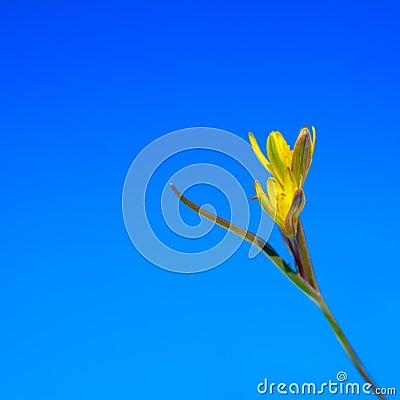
[(254, 240)]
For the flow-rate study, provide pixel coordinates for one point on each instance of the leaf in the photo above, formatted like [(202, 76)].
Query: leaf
[(256, 241)]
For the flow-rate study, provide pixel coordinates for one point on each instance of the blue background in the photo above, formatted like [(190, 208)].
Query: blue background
[(85, 86)]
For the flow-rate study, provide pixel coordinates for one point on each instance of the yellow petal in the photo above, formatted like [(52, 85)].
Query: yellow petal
[(264, 200), (289, 185), (267, 205), (314, 139), (275, 189), (272, 189), (259, 154), (279, 153)]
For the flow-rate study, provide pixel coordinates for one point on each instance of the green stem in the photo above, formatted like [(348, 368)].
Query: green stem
[(304, 285), (305, 257), (294, 249), (345, 343), (319, 300)]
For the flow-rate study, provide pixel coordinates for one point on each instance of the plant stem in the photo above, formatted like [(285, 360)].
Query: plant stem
[(323, 306), (294, 249), (302, 283), (305, 257), (345, 343)]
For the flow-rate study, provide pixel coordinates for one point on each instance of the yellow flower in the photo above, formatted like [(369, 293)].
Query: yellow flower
[(280, 156), (285, 199), (283, 203)]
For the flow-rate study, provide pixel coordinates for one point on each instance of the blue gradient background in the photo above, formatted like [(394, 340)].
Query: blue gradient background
[(85, 86)]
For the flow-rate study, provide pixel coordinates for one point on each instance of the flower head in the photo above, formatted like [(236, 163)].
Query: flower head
[(280, 156), (285, 198)]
